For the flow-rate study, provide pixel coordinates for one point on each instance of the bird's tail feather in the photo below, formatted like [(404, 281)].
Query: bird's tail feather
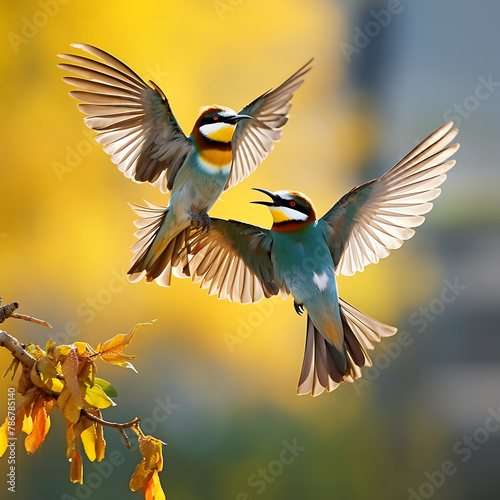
[(171, 257), (319, 370)]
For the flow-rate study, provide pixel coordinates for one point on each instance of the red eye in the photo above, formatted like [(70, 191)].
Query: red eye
[(216, 118), (292, 203)]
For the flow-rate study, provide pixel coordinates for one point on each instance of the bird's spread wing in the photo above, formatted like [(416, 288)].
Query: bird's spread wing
[(254, 139), (375, 218), (135, 122), (233, 260)]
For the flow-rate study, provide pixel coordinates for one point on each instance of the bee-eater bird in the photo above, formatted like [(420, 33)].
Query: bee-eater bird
[(301, 254), (138, 129)]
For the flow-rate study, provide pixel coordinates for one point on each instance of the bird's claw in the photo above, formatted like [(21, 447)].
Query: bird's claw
[(195, 219), (206, 222), (299, 308)]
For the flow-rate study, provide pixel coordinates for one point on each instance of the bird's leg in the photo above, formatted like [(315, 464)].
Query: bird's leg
[(299, 308), (195, 218), (206, 222)]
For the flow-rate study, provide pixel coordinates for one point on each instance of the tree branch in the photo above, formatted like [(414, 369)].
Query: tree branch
[(9, 342), (120, 427)]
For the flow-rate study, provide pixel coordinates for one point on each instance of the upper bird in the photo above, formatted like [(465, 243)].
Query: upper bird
[(301, 254), (138, 129)]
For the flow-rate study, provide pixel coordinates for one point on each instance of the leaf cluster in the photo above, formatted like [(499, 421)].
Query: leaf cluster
[(64, 376)]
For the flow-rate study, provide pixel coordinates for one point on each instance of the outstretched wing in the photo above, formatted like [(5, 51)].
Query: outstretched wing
[(135, 122), (375, 218), (233, 260), (254, 139)]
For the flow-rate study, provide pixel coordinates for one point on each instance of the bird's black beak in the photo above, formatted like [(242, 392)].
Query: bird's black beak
[(274, 197), (237, 118)]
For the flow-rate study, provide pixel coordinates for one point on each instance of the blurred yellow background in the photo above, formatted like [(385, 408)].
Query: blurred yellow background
[(66, 232)]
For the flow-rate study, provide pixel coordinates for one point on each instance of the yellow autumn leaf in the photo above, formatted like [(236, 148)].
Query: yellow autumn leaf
[(3, 437), (83, 349), (116, 344), (67, 404), (120, 360), (95, 396), (100, 445), (23, 418), (140, 477), (89, 439), (76, 471), (70, 371), (27, 424), (151, 451), (44, 375), (61, 351)]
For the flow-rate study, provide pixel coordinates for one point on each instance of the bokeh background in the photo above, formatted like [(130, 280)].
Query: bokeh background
[(386, 73)]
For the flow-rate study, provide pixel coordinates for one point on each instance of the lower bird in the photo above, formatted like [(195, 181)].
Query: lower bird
[(301, 254)]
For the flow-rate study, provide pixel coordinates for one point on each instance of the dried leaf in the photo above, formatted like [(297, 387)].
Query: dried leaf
[(76, 471), (151, 450), (70, 440), (67, 404), (24, 383), (70, 371)]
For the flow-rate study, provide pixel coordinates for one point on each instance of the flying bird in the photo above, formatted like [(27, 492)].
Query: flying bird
[(138, 129), (301, 255)]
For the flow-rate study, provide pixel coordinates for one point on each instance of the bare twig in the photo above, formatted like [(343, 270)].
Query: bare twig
[(32, 319), (7, 311), (9, 342), (120, 427)]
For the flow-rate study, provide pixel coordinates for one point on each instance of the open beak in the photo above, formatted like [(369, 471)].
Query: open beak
[(237, 118), (273, 196)]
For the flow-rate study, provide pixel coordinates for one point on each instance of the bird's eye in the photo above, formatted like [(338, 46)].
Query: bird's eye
[(292, 203), (216, 117)]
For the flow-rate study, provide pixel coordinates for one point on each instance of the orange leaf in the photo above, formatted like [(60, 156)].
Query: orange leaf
[(152, 490), (41, 425), (119, 342), (76, 471), (23, 418)]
